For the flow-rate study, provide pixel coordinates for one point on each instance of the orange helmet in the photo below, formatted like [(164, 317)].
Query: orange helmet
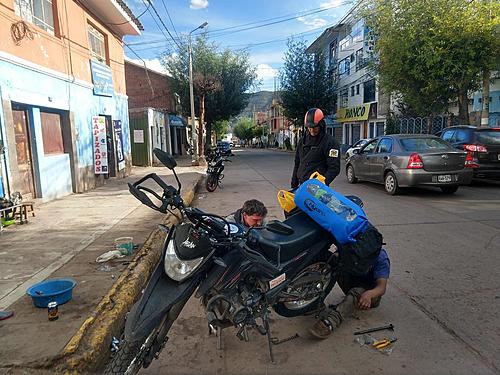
[(314, 117)]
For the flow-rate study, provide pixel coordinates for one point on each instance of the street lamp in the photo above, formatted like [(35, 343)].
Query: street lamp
[(194, 136)]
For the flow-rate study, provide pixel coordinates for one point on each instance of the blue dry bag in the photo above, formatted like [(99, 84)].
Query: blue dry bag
[(343, 218)]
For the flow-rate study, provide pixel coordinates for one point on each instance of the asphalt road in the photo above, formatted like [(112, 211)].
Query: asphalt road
[(443, 295)]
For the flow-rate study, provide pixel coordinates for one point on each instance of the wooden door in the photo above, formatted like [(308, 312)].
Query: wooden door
[(23, 153)]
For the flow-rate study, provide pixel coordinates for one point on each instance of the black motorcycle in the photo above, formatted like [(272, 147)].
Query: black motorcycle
[(215, 166), (238, 275)]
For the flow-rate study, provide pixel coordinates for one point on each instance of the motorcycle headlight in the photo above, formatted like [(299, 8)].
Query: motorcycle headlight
[(176, 268)]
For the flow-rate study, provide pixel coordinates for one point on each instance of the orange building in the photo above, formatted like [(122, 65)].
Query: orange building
[(64, 114)]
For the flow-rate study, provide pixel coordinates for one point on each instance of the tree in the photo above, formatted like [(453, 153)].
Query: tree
[(305, 82), (220, 128), (244, 129), (221, 80), (433, 52)]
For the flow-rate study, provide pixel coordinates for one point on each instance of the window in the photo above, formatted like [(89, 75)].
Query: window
[(461, 136), (424, 144), (344, 97), (385, 146), (356, 133), (369, 91), (368, 149), (352, 90), (380, 128), (333, 52), (97, 44), (345, 43), (448, 135), (52, 133), (360, 63), (39, 12), (344, 67), (371, 130), (357, 32), (357, 89)]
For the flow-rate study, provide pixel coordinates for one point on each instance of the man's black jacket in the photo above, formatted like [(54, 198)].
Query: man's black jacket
[(321, 154)]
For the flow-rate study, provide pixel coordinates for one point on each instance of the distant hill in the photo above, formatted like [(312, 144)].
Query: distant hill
[(262, 101)]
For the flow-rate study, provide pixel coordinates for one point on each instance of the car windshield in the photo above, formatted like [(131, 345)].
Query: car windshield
[(488, 137), (424, 144)]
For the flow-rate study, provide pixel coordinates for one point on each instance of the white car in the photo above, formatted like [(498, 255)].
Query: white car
[(356, 146)]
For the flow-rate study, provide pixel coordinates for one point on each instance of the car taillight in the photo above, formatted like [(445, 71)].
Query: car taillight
[(415, 162), (475, 148), (470, 162)]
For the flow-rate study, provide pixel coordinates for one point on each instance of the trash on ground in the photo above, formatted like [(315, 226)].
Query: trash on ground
[(106, 268), (124, 245), (53, 311), (112, 254), (115, 343), (364, 340), (6, 314)]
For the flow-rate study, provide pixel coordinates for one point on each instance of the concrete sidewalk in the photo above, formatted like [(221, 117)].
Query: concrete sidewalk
[(64, 240)]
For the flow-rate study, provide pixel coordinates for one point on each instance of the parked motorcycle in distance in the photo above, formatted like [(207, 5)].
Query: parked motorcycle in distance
[(239, 275), (215, 166)]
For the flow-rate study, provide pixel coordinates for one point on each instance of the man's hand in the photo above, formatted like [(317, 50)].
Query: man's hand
[(365, 300)]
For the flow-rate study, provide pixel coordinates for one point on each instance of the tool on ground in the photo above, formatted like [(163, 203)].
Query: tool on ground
[(6, 314), (376, 329), (383, 344), (276, 341)]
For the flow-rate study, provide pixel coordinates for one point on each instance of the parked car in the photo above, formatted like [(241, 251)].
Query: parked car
[(483, 144), (224, 148), (356, 146), (405, 160)]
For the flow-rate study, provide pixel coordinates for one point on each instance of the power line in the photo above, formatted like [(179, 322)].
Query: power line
[(156, 22), (163, 23), (145, 68), (168, 14)]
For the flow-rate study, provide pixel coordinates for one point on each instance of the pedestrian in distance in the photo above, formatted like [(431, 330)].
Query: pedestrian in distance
[(252, 214), (317, 151), (362, 292)]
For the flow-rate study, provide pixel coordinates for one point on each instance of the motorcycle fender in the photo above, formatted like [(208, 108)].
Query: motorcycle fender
[(160, 295)]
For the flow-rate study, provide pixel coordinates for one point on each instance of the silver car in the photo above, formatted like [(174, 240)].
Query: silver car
[(405, 160)]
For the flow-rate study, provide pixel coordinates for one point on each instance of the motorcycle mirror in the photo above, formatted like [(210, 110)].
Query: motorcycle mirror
[(166, 159), (279, 227)]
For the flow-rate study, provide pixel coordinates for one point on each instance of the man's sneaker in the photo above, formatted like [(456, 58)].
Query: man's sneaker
[(322, 329)]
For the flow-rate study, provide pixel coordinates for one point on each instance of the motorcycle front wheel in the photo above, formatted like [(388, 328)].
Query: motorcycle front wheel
[(125, 360), (211, 182)]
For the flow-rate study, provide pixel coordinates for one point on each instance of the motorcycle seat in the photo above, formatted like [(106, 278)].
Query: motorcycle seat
[(306, 233)]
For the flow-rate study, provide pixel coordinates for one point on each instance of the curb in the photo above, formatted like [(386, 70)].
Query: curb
[(89, 346)]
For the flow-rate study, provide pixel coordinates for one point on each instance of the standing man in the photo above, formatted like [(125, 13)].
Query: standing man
[(316, 151)]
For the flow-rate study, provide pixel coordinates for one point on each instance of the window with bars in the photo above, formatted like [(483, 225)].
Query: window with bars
[(38, 12), (344, 98), (97, 44)]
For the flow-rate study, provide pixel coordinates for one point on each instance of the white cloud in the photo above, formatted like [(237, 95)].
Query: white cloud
[(265, 71), (153, 64), (267, 57), (199, 4), (331, 4), (313, 22)]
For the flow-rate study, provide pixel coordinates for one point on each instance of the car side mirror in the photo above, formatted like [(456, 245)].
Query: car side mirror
[(279, 227)]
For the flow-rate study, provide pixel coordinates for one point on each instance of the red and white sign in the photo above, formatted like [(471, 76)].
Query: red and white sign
[(100, 146)]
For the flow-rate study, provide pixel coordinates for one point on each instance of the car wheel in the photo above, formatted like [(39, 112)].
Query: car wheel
[(351, 177), (449, 189), (391, 184)]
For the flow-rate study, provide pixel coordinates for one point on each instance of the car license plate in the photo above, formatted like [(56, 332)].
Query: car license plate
[(444, 178)]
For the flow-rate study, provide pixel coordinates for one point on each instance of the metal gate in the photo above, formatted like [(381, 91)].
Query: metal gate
[(140, 140)]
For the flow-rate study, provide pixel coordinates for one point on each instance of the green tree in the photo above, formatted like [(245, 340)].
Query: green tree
[(432, 52), (244, 129), (305, 82), (221, 80), (220, 128)]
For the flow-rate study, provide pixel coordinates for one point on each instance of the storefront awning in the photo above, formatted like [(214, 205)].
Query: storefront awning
[(176, 121)]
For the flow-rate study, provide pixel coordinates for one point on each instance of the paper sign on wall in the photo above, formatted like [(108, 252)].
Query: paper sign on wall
[(100, 146), (138, 136)]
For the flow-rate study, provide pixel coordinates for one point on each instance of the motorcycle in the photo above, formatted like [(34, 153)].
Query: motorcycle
[(215, 167), (239, 275)]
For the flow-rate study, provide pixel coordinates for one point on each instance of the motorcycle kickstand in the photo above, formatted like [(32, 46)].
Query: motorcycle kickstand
[(219, 338), (269, 340)]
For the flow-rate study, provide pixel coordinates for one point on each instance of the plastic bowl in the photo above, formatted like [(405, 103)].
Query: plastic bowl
[(52, 290)]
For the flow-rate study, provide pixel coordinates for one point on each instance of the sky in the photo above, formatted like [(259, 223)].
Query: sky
[(234, 24)]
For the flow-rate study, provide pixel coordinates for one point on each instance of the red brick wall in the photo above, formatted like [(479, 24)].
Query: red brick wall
[(139, 91)]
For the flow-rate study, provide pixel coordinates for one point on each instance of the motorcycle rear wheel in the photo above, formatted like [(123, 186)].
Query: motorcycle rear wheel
[(211, 183), (287, 309)]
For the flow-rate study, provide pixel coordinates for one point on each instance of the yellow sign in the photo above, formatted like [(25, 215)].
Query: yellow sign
[(358, 113)]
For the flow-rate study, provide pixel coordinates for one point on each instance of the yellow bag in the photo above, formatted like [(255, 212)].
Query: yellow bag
[(286, 198)]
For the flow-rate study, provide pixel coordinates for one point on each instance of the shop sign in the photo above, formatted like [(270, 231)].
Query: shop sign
[(358, 113), (120, 156), (100, 145), (102, 78)]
